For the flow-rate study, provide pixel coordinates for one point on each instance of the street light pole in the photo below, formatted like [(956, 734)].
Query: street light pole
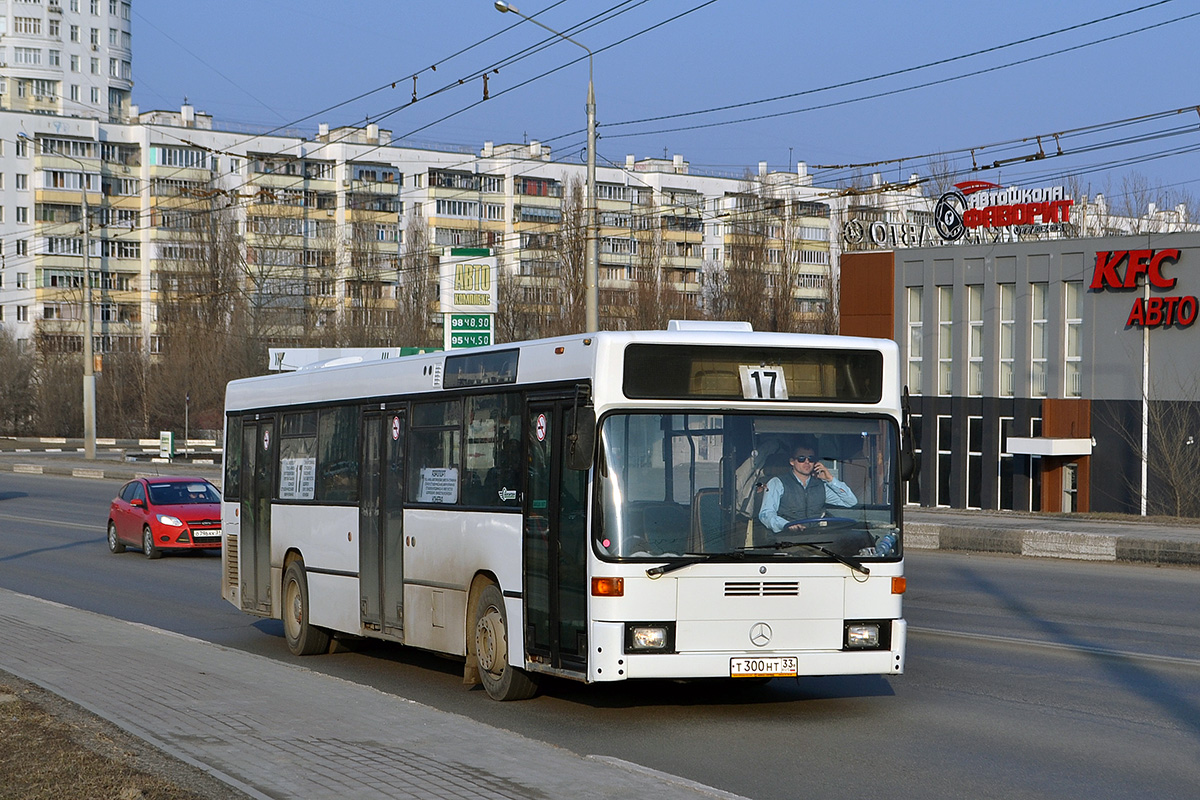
[(591, 294), (89, 374)]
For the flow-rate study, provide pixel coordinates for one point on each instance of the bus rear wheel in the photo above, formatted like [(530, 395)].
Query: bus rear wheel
[(501, 680), (303, 638)]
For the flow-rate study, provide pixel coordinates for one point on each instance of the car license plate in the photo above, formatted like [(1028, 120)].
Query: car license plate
[(207, 534), (779, 667)]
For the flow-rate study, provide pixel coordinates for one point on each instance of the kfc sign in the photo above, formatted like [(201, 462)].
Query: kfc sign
[(1158, 311)]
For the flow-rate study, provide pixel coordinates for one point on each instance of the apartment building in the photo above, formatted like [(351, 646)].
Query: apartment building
[(69, 58), (319, 222)]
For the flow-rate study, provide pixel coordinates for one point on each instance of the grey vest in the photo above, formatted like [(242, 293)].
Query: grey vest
[(796, 502)]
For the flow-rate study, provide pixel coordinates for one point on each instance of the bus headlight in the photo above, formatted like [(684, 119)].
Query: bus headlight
[(862, 636), (650, 637)]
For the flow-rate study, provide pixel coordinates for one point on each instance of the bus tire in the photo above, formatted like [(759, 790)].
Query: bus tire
[(303, 638), (114, 544), (501, 680), (149, 549)]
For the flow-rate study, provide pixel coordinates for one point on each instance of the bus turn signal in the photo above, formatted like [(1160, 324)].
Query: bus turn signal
[(608, 587)]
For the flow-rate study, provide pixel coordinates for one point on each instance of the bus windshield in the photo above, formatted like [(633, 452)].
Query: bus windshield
[(747, 485)]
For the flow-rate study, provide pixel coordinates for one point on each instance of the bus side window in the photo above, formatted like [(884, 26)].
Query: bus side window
[(435, 456), (493, 450), (337, 455), (232, 484)]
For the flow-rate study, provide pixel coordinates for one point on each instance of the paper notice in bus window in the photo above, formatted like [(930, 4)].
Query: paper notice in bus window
[(438, 485), (297, 478)]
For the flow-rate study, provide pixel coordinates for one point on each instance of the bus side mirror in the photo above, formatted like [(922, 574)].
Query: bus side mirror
[(581, 443), (910, 464)]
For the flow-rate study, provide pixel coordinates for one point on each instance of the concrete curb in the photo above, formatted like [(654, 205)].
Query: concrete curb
[(1048, 543)]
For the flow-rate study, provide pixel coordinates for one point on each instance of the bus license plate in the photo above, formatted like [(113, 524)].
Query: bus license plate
[(784, 666)]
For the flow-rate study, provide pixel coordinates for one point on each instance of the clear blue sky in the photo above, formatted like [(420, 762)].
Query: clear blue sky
[(276, 62)]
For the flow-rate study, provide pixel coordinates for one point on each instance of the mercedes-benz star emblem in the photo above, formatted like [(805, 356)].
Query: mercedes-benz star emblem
[(760, 634)]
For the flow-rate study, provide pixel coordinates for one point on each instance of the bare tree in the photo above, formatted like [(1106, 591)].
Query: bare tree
[(943, 173), (417, 289), (18, 404)]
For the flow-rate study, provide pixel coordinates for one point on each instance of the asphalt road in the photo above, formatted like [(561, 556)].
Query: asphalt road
[(1025, 678)]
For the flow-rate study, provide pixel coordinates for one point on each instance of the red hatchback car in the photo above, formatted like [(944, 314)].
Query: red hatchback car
[(158, 514)]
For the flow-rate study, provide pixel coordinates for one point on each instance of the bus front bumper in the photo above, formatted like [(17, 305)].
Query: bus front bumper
[(610, 662)]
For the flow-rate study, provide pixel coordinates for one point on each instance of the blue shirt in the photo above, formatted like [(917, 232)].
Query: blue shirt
[(837, 493)]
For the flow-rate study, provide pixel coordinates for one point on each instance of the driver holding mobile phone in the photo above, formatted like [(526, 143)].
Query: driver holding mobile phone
[(803, 493)]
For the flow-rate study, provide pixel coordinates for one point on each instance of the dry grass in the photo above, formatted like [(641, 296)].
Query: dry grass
[(52, 749)]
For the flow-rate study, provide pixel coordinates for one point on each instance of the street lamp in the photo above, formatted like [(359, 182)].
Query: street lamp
[(89, 375), (591, 302)]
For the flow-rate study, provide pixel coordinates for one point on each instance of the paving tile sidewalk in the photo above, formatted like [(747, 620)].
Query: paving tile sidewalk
[(275, 730)]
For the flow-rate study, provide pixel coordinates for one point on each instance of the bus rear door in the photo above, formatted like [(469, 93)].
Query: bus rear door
[(259, 455)]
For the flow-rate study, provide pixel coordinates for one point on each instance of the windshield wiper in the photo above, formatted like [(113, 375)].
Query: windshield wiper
[(852, 563), (690, 559)]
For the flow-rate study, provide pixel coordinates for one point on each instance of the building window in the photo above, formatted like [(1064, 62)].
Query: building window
[(914, 486), (945, 340), (975, 341), (915, 338), (31, 56), (95, 95), (974, 462), (1035, 468), (1074, 352), (945, 430), (74, 33), (22, 213), (22, 181), (22, 313), (74, 63), (1007, 337), (94, 64), (22, 278), (1004, 498), (1039, 347)]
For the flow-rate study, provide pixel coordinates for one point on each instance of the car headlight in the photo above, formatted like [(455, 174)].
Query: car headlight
[(167, 519)]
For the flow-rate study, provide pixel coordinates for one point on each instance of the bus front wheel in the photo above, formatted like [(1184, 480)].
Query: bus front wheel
[(303, 638), (501, 680)]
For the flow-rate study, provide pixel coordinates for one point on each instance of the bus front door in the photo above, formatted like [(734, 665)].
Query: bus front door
[(555, 541), (259, 450), (380, 527)]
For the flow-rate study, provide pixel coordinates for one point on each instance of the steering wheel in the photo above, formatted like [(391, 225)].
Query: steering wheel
[(821, 523)]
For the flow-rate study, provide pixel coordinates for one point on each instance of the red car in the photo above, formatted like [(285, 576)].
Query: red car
[(158, 514)]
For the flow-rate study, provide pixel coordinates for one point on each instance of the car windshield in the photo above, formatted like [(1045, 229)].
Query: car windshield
[(178, 493), (696, 484)]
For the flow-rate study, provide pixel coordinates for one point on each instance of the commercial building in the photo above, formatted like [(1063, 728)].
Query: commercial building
[(1049, 370)]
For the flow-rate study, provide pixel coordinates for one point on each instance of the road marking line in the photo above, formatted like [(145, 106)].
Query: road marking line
[(1073, 648)]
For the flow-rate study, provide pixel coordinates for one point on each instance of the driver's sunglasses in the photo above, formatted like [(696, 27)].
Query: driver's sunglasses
[(802, 459)]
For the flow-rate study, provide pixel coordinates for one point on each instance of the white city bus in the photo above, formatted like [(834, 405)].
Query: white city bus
[(586, 506)]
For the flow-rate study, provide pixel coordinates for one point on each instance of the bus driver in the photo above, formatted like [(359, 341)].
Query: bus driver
[(797, 496)]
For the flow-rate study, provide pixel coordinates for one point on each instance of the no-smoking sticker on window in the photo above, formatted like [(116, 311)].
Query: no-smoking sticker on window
[(395, 429), (540, 428)]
